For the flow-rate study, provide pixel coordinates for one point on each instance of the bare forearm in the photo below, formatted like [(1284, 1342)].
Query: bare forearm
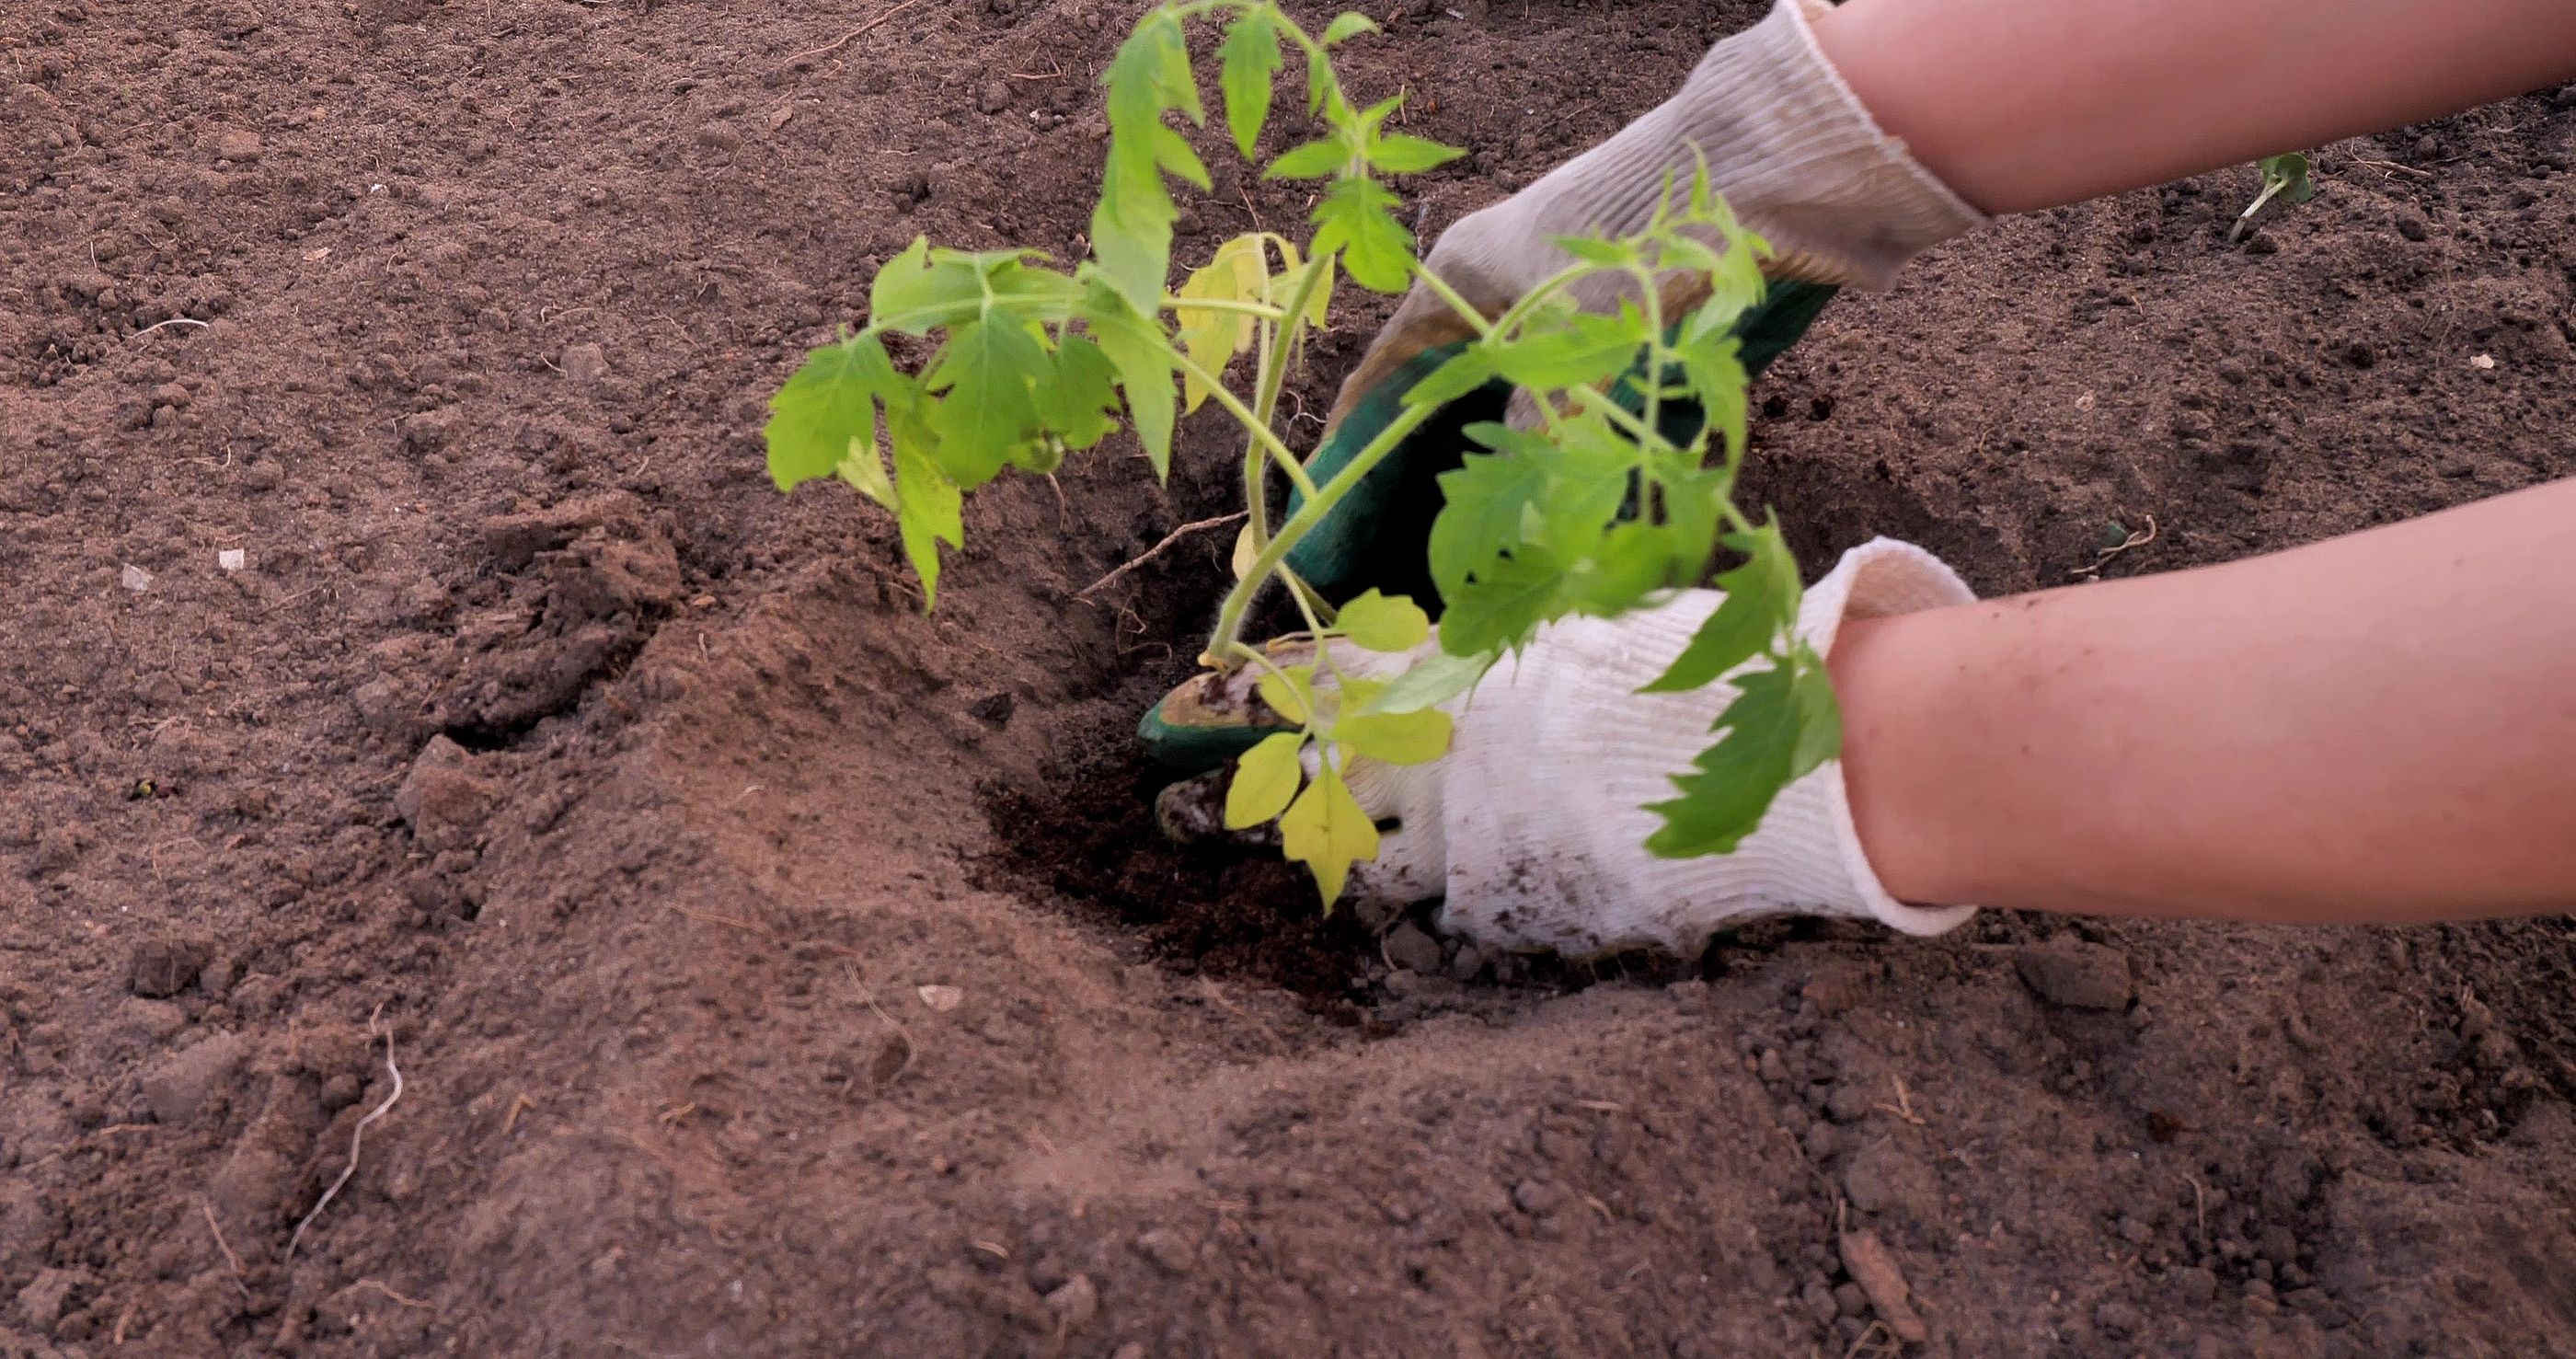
[(2380, 727), (2023, 104)]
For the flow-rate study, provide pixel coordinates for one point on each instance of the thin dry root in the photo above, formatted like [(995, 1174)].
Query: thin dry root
[(1156, 550), (231, 1260), (357, 1135)]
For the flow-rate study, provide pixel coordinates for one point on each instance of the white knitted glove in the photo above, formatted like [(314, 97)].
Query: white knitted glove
[(1785, 141), (1533, 827)]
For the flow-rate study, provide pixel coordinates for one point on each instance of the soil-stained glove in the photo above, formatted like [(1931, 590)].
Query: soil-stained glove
[(1785, 141), (1533, 827)]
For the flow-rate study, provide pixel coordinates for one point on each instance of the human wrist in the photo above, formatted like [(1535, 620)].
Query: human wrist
[(1887, 674)]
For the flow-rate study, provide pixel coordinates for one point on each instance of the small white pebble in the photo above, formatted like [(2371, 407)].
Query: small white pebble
[(2483, 362), (135, 579), (231, 559), (942, 998)]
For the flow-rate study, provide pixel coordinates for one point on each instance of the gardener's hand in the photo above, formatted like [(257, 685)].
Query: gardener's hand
[(1533, 827), (1787, 144)]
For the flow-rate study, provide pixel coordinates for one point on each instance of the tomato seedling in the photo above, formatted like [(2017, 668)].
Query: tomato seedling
[(1595, 508)]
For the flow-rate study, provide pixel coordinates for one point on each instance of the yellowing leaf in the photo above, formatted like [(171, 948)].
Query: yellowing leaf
[(1211, 336), (1327, 830), (1264, 780), (1417, 737), (1246, 552), (865, 469), (1383, 623), (1290, 691)]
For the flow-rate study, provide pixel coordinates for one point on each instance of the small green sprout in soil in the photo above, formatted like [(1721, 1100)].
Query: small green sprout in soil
[(1594, 509), (2285, 177)]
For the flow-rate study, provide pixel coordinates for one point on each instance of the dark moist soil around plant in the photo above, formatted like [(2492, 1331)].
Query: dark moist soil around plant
[(774, 970), (1087, 834)]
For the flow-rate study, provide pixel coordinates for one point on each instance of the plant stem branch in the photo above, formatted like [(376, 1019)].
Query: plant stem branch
[(1259, 429), (1260, 309), (1467, 311), (1229, 624)]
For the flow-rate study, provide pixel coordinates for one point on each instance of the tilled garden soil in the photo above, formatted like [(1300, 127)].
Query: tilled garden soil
[(773, 970)]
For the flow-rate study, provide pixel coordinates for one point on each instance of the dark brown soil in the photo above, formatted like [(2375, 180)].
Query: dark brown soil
[(683, 861)]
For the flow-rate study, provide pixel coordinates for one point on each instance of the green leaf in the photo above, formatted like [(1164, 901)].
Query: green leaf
[(1484, 502), (1761, 602), (1740, 775), (1143, 358), (1310, 160), (1327, 830), (1292, 276), (1265, 779), (1576, 350), (1609, 254), (1320, 84), (1675, 251), (1463, 372), (1249, 66), (1131, 228), (1384, 623), (827, 411), (1433, 680), (1175, 157), (1632, 561), (1694, 505), (1290, 692), (1503, 605), (1820, 717), (922, 287), (1591, 476), (1080, 406), (989, 372), (1028, 291), (2289, 171), (1347, 25), (1239, 273), (929, 511), (1417, 737), (1712, 367), (1403, 154), (1356, 217)]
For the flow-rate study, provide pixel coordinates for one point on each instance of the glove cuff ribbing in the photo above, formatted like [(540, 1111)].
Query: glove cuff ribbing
[(1789, 145)]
